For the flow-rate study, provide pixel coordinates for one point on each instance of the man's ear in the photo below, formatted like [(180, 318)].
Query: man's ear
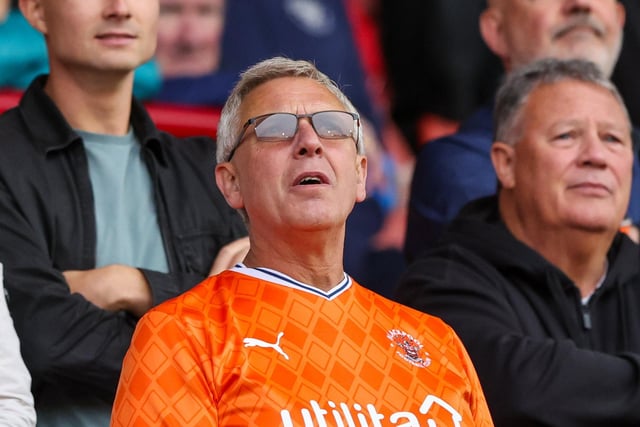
[(504, 162), (229, 185), (492, 32), (33, 12), (361, 171)]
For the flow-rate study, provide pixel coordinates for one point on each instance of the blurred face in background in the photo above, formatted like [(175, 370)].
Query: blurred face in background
[(522, 31), (100, 36), (189, 37)]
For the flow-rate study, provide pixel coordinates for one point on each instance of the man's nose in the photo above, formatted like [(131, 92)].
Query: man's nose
[(118, 9), (578, 6), (593, 150), (306, 139)]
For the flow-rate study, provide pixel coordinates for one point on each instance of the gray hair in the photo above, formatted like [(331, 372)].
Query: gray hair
[(229, 125), (514, 92)]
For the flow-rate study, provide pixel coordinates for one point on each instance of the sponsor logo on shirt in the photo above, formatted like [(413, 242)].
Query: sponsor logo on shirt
[(357, 415)]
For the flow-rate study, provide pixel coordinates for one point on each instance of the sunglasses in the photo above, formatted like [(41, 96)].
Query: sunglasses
[(332, 124)]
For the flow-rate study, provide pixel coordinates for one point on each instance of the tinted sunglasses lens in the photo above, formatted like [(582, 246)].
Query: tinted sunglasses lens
[(333, 124), (276, 126)]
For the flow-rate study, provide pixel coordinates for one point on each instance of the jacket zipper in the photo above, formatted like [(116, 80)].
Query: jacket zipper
[(586, 317)]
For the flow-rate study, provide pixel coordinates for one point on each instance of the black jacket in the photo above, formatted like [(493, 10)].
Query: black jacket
[(543, 359), (47, 225)]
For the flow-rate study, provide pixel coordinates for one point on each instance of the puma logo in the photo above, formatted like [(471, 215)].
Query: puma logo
[(255, 342)]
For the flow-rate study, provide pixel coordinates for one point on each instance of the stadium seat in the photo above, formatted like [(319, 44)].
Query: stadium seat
[(180, 120)]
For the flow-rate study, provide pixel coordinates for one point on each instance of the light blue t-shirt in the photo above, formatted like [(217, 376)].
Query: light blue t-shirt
[(126, 217)]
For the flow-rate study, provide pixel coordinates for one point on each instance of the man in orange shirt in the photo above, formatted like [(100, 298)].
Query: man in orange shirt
[(287, 337)]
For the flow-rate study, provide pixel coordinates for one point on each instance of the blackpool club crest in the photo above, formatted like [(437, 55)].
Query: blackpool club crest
[(409, 348)]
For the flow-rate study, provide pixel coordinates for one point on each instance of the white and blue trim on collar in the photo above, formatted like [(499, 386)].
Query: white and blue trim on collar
[(284, 280)]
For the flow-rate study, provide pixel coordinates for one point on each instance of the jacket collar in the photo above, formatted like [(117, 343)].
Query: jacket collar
[(479, 222), (51, 131)]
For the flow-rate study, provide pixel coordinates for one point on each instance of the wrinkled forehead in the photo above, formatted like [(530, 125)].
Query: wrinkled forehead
[(288, 94), (571, 100)]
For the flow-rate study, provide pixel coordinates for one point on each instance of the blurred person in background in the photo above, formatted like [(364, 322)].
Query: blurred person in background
[(102, 215), (189, 35), (189, 53), (455, 169)]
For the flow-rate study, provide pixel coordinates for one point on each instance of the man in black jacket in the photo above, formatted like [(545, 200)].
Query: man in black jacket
[(538, 281), (101, 215)]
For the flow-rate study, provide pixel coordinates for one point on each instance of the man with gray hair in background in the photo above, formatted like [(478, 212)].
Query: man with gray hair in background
[(455, 169), (538, 280)]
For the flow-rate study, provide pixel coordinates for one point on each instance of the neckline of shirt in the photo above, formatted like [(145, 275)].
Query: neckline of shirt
[(277, 277)]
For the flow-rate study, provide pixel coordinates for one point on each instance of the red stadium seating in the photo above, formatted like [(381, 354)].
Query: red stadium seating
[(9, 99), (180, 120)]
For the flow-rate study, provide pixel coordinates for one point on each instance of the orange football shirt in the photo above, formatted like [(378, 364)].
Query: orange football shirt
[(254, 347)]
